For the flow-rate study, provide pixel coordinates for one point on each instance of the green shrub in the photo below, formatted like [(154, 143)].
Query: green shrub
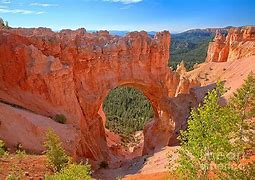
[(12, 177), (16, 173), (72, 172), (2, 148), (20, 154), (60, 118), (56, 155)]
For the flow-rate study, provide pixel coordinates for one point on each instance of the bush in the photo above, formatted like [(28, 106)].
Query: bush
[(57, 158), (72, 172), (21, 154), (60, 118), (2, 148), (12, 177), (16, 173)]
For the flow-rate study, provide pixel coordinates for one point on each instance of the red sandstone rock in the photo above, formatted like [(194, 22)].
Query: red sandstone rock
[(72, 72), (19, 126), (239, 43)]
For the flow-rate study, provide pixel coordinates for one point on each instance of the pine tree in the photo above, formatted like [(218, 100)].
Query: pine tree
[(243, 102), (217, 136), (205, 145)]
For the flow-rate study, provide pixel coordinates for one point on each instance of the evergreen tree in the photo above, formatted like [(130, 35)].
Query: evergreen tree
[(243, 102), (217, 136), (206, 144), (127, 110)]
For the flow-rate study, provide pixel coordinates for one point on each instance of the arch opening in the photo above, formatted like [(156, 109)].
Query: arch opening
[(126, 110)]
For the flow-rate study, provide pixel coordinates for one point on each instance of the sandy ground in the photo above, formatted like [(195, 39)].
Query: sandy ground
[(27, 167), (150, 166)]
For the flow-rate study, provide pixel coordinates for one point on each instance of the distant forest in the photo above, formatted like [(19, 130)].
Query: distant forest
[(189, 47), (127, 110)]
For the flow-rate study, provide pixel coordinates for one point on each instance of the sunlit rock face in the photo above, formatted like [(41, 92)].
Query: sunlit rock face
[(239, 43), (72, 72)]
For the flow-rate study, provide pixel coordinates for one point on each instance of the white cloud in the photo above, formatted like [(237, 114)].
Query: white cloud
[(3, 7), (43, 4), (20, 11), (125, 1), (6, 1), (40, 12)]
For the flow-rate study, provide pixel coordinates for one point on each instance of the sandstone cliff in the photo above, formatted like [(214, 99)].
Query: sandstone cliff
[(71, 73), (239, 43)]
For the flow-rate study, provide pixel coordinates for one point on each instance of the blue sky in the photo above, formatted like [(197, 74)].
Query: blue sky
[(149, 15)]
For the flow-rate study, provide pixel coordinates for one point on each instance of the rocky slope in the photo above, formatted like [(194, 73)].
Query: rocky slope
[(232, 73), (239, 43), (229, 59), (71, 73)]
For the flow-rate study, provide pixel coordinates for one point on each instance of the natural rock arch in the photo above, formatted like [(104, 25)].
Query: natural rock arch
[(71, 72)]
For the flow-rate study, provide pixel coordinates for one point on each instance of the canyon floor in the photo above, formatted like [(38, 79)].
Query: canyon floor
[(35, 167)]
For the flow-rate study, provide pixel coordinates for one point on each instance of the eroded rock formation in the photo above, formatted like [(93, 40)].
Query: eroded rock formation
[(239, 43), (71, 73)]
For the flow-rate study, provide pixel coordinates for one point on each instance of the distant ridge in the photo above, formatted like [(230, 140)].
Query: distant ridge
[(209, 30)]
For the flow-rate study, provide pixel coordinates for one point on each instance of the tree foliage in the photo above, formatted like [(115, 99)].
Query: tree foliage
[(61, 163), (243, 102), (190, 47), (56, 155), (217, 136), (2, 148), (127, 110), (72, 172), (206, 140)]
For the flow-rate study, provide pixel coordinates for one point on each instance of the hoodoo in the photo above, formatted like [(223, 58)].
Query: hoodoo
[(239, 43)]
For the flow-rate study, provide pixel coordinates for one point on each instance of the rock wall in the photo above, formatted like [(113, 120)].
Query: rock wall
[(239, 43), (71, 73), (18, 126)]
